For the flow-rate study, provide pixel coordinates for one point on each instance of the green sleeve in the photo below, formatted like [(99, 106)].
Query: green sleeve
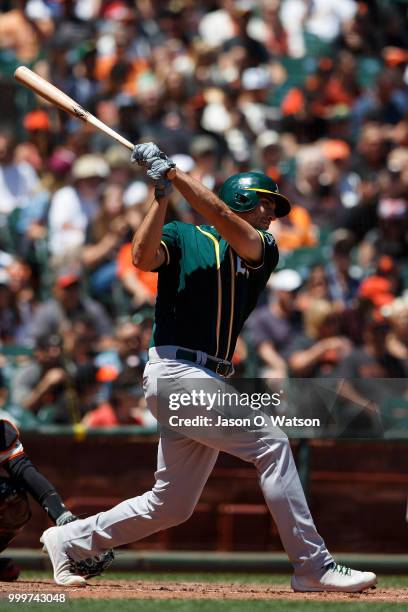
[(270, 254), (170, 242)]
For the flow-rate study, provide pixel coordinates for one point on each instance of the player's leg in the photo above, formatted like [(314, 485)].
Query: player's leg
[(268, 448), (183, 468)]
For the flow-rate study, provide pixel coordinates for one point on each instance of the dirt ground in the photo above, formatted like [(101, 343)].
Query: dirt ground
[(138, 589)]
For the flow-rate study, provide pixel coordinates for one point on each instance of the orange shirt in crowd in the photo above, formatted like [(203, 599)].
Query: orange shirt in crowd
[(104, 67), (296, 231), (125, 265), (103, 416)]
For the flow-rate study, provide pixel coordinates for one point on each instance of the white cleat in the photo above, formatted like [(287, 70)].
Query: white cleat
[(336, 578), (53, 545)]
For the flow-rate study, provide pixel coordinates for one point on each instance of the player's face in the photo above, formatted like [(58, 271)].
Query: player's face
[(262, 216)]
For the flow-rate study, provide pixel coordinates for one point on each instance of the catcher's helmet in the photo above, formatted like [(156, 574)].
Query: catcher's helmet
[(241, 192)]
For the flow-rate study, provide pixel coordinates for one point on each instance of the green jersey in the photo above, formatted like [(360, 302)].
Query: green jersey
[(205, 290)]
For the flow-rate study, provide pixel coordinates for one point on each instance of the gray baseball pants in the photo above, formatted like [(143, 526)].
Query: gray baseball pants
[(183, 467)]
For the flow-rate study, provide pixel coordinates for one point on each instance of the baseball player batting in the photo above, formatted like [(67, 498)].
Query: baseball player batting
[(203, 301), (22, 477)]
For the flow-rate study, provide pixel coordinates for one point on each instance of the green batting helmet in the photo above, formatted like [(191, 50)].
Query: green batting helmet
[(241, 192)]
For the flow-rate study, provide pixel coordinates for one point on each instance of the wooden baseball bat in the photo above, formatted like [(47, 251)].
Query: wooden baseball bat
[(57, 97)]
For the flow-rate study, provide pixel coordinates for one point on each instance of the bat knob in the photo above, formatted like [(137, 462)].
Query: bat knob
[(171, 173)]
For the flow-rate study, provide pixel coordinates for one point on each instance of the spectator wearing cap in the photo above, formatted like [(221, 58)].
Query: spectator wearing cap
[(120, 169), (126, 405), (179, 207), (253, 100), (270, 153), (41, 381), (74, 207), (312, 188), (273, 327), (376, 290), (345, 182), (390, 237), (139, 287), (205, 152), (67, 305), (80, 340)]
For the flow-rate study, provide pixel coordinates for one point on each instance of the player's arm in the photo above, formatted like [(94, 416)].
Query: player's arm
[(243, 238), (147, 253), (16, 463)]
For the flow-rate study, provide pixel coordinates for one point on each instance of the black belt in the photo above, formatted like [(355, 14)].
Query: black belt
[(223, 368)]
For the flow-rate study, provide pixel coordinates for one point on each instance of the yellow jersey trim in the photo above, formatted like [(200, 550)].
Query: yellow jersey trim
[(232, 301), (166, 249), (219, 285), (263, 254)]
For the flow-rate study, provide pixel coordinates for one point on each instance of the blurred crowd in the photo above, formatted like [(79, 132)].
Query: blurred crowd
[(312, 92)]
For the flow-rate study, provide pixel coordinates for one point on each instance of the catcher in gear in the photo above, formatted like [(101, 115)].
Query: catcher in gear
[(22, 477)]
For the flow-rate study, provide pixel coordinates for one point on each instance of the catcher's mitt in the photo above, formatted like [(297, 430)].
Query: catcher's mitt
[(94, 566)]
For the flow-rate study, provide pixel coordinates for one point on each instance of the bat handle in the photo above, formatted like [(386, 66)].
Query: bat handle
[(171, 174)]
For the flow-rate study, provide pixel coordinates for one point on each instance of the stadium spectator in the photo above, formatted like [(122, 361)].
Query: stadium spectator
[(315, 288), (126, 405), (359, 371), (14, 317), (41, 382), (311, 189), (322, 20), (18, 179), (272, 328), (108, 232), (66, 306), (74, 206), (390, 236), (396, 314), (321, 349), (25, 31), (342, 287)]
